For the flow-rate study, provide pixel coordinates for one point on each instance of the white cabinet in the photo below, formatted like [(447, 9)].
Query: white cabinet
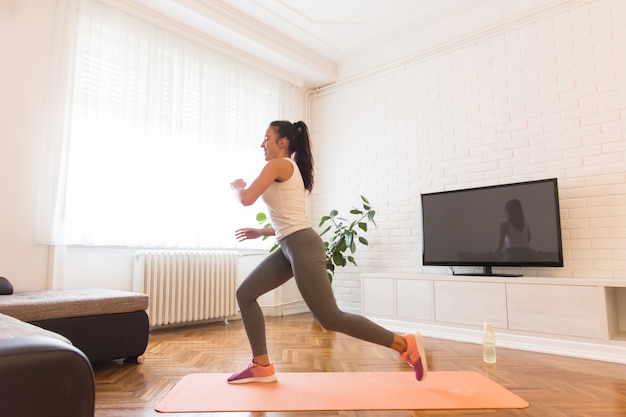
[(470, 303), (414, 299), (405, 298), (616, 312), (379, 296), (556, 309), (576, 317)]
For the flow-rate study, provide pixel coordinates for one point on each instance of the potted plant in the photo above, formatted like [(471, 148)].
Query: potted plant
[(343, 236)]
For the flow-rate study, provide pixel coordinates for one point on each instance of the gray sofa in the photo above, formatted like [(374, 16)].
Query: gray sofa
[(104, 324), (42, 374), (49, 339)]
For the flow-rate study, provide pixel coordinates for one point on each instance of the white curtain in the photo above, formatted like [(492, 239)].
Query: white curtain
[(52, 133), (159, 126)]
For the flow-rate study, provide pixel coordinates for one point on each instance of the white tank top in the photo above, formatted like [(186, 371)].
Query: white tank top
[(286, 204), (515, 238)]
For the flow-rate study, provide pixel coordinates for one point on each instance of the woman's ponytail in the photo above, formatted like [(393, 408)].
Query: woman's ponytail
[(299, 147)]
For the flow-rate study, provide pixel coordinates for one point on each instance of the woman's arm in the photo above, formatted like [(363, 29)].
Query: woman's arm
[(504, 228), (252, 233), (275, 170)]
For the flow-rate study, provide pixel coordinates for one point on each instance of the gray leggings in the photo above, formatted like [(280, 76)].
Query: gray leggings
[(301, 255)]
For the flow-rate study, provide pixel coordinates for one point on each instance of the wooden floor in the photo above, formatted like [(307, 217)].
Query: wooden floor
[(553, 385)]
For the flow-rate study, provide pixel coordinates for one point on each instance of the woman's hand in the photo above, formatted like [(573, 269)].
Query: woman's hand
[(274, 170), (247, 233), (238, 184)]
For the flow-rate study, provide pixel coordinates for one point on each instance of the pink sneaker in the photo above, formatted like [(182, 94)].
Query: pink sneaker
[(415, 355), (254, 373)]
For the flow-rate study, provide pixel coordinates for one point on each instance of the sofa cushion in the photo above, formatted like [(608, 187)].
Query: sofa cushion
[(11, 328), (53, 304)]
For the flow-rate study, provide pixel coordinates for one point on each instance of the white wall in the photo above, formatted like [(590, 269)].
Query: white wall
[(25, 27), (526, 101), (27, 52)]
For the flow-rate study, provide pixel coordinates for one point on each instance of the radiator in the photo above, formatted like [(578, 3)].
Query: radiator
[(187, 286)]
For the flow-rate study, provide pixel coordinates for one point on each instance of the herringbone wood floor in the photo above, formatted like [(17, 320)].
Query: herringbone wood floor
[(554, 386)]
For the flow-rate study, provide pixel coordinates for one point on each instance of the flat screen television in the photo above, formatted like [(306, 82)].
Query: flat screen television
[(508, 225)]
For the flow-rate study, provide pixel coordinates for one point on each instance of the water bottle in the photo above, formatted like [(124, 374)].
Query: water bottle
[(489, 344)]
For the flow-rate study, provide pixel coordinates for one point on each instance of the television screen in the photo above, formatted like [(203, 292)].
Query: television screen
[(503, 225)]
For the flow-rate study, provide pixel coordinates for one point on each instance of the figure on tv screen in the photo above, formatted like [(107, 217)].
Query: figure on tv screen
[(514, 236)]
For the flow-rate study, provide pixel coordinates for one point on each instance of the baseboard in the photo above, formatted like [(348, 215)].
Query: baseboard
[(285, 309), (580, 349)]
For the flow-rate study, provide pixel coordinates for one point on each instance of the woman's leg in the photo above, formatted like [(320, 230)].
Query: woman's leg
[(303, 253), (272, 272), (307, 254)]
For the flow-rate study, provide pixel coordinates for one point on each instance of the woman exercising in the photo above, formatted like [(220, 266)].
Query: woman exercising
[(282, 184)]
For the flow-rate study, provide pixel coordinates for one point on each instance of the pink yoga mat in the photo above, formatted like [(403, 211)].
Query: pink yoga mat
[(328, 391)]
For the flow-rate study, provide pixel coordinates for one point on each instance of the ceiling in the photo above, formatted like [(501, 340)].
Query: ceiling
[(319, 42)]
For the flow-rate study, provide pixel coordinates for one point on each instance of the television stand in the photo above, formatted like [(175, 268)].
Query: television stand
[(583, 317), (487, 272)]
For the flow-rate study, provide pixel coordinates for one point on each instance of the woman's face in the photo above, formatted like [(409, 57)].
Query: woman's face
[(273, 147)]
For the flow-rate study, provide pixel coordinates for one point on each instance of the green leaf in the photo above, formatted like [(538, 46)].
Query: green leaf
[(325, 230), (363, 226), (262, 218), (351, 259), (365, 200), (355, 211), (363, 241), (323, 220), (334, 213), (349, 238), (339, 259), (352, 246)]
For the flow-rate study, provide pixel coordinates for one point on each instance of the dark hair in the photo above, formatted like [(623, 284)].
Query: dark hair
[(515, 212), (299, 146)]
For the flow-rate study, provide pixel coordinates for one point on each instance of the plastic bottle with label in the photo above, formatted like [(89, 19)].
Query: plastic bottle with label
[(489, 344)]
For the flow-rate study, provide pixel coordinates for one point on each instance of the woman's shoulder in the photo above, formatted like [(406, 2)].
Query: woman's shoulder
[(281, 168), (279, 163)]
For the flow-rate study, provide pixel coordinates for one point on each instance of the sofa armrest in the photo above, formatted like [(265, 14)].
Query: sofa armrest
[(41, 376)]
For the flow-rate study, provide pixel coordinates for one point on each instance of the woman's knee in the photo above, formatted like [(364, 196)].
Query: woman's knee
[(243, 295), (329, 321)]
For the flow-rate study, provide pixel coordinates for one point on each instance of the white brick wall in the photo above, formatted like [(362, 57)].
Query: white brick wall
[(547, 99)]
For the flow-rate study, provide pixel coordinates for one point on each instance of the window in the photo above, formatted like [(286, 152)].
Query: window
[(159, 127)]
